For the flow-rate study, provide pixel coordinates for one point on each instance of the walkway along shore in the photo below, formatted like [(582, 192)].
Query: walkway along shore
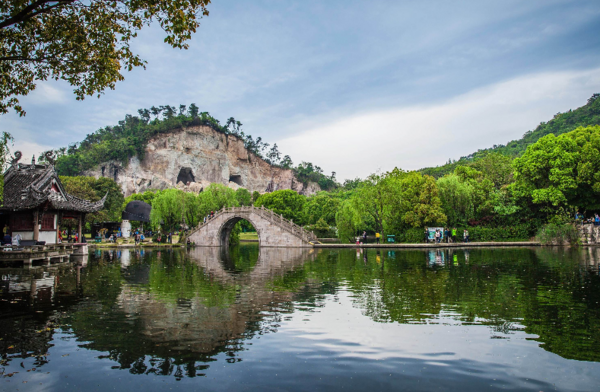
[(433, 246), (378, 246)]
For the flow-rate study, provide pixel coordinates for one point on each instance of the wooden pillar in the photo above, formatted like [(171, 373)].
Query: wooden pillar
[(36, 226), (79, 228), (57, 226)]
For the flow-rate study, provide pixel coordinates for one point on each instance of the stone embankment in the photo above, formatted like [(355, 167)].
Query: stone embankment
[(194, 157), (589, 234)]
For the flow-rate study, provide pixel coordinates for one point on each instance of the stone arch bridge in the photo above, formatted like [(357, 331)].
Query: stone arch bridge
[(273, 230)]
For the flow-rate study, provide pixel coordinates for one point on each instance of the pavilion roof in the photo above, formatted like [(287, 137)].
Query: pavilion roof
[(30, 186)]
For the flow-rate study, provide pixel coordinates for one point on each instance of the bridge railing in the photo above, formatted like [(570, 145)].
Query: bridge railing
[(269, 215)]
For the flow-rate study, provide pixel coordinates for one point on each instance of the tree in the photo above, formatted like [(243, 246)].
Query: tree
[(286, 162), (193, 111), (372, 198), (274, 156), (348, 221), (192, 209), (167, 209), (324, 206), (215, 197), (114, 200), (285, 202), (457, 199), (561, 171), (86, 43), (495, 167), (89, 188), (243, 197), (5, 140)]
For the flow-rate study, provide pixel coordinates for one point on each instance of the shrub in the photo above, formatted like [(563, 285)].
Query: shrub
[(519, 232), (558, 234)]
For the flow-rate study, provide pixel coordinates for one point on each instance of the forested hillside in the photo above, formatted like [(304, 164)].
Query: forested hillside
[(589, 114), (131, 135)]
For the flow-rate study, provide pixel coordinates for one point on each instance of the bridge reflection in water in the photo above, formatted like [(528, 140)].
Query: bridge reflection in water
[(175, 312), (234, 301)]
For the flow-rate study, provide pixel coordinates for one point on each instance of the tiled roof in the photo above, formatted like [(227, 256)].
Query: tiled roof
[(29, 186)]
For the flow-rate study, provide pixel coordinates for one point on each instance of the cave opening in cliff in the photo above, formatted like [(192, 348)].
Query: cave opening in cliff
[(186, 175), (237, 179)]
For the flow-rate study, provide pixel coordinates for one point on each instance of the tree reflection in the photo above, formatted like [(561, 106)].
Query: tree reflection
[(173, 313)]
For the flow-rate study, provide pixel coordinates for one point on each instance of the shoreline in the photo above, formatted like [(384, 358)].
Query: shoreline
[(434, 246)]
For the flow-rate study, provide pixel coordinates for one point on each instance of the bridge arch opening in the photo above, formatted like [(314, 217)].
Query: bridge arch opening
[(237, 230)]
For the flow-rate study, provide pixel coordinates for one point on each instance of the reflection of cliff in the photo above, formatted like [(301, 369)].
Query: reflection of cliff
[(198, 155), (188, 308), (196, 324)]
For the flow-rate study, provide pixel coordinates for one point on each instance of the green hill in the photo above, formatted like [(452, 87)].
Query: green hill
[(589, 114)]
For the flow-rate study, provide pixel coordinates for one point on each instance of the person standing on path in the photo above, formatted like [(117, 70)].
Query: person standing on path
[(364, 237), (454, 234), (466, 235), (377, 236), (426, 235)]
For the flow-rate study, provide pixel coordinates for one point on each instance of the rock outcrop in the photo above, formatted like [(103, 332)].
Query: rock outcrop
[(194, 157)]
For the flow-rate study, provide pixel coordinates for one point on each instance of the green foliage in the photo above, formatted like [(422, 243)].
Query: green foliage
[(563, 170), (6, 139), (215, 197), (86, 43), (409, 236), (146, 197), (307, 172), (466, 195), (243, 197), (457, 199), (323, 205), (89, 188), (168, 209), (322, 229), (348, 221), (390, 203), (518, 232), (285, 202), (558, 234)]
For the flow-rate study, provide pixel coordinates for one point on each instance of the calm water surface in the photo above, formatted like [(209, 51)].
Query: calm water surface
[(293, 319)]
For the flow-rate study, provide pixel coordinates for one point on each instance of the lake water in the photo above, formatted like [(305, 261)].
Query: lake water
[(303, 319)]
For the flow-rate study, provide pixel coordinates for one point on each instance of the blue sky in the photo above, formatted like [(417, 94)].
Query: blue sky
[(353, 86)]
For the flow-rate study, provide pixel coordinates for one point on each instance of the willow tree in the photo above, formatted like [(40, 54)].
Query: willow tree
[(86, 43)]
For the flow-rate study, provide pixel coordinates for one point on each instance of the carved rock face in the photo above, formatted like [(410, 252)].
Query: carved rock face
[(198, 155)]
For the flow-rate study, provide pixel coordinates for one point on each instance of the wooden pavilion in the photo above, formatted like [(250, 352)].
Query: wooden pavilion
[(35, 202)]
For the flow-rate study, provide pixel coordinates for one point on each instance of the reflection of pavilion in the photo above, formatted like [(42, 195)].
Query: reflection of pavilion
[(192, 324), (34, 292)]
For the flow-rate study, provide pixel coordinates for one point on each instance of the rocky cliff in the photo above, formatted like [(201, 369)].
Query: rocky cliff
[(194, 157)]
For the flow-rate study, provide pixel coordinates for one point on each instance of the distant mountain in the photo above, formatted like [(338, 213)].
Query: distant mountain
[(589, 114)]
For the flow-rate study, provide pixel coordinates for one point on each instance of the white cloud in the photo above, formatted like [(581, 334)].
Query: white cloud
[(49, 93), (420, 136), (29, 149)]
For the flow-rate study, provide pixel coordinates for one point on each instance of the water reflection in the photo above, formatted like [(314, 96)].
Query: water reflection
[(171, 312)]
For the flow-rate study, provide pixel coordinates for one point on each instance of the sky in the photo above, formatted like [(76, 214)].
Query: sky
[(355, 87)]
